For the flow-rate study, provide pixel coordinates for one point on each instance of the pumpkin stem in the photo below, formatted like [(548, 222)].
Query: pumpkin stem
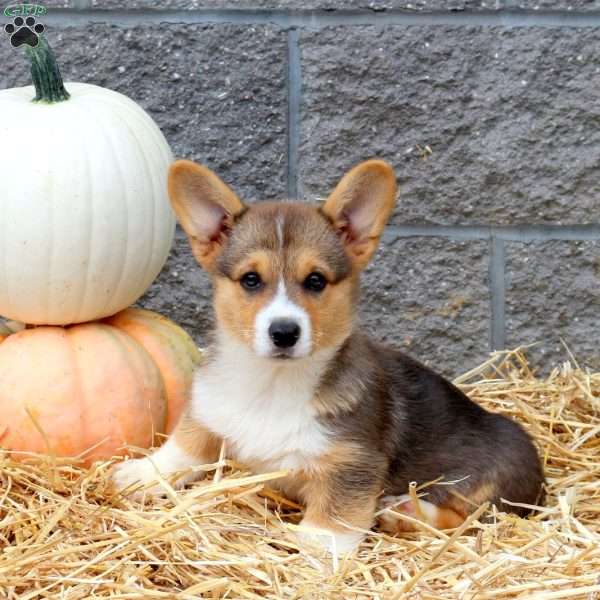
[(45, 73)]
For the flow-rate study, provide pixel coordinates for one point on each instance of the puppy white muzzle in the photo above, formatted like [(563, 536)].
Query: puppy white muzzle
[(282, 328)]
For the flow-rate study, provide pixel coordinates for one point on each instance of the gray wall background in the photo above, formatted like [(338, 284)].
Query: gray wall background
[(496, 238)]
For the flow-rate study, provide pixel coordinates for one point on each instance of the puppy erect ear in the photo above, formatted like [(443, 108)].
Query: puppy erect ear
[(360, 206), (205, 207)]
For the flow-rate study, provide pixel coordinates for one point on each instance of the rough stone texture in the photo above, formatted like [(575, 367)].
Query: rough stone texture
[(570, 5), (375, 5), (429, 297), (510, 115), (183, 292), (217, 92), (553, 292)]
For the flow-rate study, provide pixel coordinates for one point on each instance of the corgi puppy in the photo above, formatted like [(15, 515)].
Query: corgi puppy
[(292, 383)]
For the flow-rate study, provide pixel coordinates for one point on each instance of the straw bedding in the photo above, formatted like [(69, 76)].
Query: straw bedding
[(62, 535)]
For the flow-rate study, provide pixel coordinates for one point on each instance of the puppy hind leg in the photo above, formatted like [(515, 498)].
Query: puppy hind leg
[(440, 517)]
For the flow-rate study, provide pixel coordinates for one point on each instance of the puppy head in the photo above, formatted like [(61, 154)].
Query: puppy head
[(285, 274)]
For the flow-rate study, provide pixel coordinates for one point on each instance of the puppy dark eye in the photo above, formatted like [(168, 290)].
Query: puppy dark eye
[(315, 282), (251, 281)]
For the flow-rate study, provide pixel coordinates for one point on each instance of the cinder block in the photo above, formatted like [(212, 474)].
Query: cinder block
[(429, 297), (553, 294), (484, 125)]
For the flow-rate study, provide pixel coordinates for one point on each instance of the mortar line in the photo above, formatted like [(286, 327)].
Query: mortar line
[(316, 19), (524, 233), (506, 233), (294, 86), (497, 278), (458, 232)]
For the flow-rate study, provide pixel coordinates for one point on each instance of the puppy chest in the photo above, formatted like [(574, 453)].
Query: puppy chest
[(269, 431)]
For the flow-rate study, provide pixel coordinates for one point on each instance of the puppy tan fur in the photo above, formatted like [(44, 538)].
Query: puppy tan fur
[(292, 383)]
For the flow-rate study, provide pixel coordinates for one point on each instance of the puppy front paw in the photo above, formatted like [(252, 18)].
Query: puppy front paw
[(140, 471), (338, 543)]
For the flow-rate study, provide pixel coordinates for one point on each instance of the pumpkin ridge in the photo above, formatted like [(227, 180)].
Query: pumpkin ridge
[(127, 218), (82, 299), (127, 359), (172, 349), (4, 257), (143, 119), (77, 386), (148, 176), (48, 301)]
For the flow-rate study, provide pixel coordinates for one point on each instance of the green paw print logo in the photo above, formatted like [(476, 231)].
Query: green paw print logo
[(25, 28)]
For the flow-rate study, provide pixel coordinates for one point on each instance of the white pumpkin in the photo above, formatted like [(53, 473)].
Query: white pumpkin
[(85, 221)]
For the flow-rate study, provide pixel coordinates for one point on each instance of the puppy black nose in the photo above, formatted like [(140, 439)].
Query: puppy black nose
[(284, 333)]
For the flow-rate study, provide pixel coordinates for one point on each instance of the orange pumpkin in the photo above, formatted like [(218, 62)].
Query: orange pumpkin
[(173, 351), (94, 388)]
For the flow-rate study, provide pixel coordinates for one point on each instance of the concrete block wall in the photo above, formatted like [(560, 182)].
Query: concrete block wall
[(489, 111)]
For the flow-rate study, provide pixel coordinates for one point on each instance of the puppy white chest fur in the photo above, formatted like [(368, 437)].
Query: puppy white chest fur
[(262, 408)]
